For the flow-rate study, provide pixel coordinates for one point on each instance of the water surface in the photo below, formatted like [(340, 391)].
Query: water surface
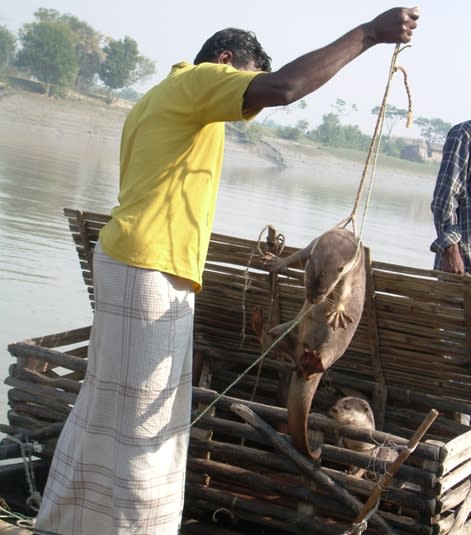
[(40, 279)]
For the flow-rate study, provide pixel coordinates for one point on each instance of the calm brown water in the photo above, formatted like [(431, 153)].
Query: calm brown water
[(41, 287)]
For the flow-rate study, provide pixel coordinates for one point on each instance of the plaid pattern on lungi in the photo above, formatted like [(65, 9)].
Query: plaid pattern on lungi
[(119, 466)]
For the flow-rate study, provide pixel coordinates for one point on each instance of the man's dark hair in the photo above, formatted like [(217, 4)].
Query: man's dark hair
[(243, 45)]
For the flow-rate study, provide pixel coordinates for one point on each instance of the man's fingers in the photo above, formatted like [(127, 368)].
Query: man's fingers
[(414, 13)]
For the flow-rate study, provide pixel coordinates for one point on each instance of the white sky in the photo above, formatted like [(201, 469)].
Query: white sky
[(437, 64)]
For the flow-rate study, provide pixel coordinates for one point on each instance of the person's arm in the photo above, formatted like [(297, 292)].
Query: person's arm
[(452, 261), (304, 75), (449, 189)]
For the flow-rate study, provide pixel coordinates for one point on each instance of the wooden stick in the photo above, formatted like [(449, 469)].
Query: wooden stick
[(307, 466), (403, 455), (279, 415), (461, 516)]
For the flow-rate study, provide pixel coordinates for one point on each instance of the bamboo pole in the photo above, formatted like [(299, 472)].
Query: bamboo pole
[(10, 529), (467, 313), (279, 415), (395, 465), (260, 512), (461, 516), (50, 356), (307, 467), (265, 462)]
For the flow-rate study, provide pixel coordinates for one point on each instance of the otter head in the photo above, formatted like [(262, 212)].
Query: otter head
[(331, 258), (353, 411)]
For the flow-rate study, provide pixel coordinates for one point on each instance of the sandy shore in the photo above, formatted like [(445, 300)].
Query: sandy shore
[(43, 115)]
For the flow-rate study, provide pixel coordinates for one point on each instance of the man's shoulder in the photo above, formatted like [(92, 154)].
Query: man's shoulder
[(460, 131), (464, 126)]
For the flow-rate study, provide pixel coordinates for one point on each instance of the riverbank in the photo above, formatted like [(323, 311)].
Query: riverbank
[(78, 116)]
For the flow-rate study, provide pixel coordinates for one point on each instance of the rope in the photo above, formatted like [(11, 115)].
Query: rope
[(247, 284), (27, 449), (409, 95), (375, 143), (360, 527), (21, 520), (373, 151), (254, 363), (278, 245)]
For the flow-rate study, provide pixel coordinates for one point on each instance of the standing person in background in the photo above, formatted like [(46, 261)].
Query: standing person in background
[(119, 465), (451, 203)]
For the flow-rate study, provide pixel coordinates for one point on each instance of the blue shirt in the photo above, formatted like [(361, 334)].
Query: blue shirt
[(451, 204)]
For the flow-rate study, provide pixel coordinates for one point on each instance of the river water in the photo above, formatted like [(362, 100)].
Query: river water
[(41, 173)]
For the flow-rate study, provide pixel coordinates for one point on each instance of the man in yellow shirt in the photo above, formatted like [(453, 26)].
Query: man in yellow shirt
[(119, 466)]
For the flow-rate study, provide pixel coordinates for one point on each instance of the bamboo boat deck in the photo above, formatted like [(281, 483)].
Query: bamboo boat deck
[(410, 354)]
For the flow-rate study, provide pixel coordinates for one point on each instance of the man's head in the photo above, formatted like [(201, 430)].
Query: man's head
[(242, 48)]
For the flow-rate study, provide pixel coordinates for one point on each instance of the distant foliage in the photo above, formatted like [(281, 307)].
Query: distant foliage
[(64, 52), (433, 131), (89, 52), (48, 52), (87, 43), (7, 50), (121, 57), (392, 115), (331, 132)]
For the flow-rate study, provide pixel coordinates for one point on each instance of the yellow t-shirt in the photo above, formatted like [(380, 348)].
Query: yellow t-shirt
[(171, 157)]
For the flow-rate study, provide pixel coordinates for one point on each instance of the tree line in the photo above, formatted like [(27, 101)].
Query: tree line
[(63, 52), (335, 130)]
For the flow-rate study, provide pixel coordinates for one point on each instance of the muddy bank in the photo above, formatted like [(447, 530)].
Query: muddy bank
[(42, 115)]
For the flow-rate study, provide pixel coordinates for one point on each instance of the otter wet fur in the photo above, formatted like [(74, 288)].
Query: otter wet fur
[(357, 412), (334, 280)]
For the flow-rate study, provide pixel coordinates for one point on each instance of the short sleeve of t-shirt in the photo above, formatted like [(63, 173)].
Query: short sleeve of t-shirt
[(218, 92)]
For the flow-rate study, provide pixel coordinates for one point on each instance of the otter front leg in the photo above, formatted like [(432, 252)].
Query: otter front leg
[(297, 259), (337, 317)]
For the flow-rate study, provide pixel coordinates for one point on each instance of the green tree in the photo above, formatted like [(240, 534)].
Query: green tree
[(87, 43), (46, 15), (391, 115), (48, 52), (433, 131), (330, 131), (121, 59), (354, 138), (145, 67), (88, 49), (341, 109), (7, 49)]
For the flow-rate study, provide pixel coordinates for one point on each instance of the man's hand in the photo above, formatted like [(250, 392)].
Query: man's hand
[(393, 26), (452, 261)]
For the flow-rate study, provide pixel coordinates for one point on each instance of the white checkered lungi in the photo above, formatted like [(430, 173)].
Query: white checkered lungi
[(119, 466)]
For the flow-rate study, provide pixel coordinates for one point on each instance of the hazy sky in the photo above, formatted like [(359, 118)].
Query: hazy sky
[(437, 64)]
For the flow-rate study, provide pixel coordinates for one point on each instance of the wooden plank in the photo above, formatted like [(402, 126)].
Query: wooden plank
[(467, 313), (9, 529), (457, 451), (51, 356), (455, 477)]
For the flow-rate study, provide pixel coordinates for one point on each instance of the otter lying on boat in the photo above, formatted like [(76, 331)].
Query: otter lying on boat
[(334, 297)]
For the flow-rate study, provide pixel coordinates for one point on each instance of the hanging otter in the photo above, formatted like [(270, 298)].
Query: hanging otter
[(334, 297)]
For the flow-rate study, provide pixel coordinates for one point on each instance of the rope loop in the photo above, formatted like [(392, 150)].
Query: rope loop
[(27, 450), (275, 243), (357, 529), (375, 144)]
